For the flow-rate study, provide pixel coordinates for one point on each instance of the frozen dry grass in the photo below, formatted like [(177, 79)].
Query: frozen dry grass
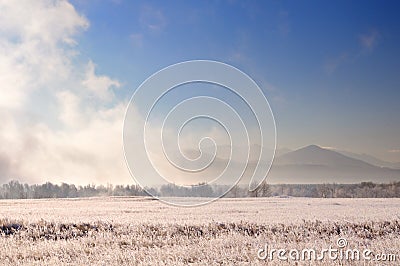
[(132, 231)]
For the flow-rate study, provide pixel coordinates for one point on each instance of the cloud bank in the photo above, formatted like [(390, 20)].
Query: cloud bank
[(60, 121)]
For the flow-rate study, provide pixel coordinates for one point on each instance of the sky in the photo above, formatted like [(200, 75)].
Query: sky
[(329, 69)]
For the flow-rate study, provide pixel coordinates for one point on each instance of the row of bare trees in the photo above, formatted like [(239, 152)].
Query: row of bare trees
[(332, 190), (360, 190), (16, 190)]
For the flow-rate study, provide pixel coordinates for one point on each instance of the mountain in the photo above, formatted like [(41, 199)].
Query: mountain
[(315, 155), (370, 159), (307, 165), (313, 164), (281, 151)]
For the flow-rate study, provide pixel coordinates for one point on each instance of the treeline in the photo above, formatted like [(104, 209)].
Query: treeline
[(16, 190), (360, 190)]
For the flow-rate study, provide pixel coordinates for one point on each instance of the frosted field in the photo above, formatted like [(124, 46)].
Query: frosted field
[(132, 231)]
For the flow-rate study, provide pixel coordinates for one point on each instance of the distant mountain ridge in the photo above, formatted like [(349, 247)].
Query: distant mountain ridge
[(315, 155), (313, 164), (308, 165), (370, 159)]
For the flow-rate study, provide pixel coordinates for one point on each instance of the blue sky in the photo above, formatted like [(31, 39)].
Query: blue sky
[(329, 69)]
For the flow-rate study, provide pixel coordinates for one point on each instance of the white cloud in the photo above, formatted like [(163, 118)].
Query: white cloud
[(49, 22), (329, 148), (60, 120), (99, 86), (55, 125), (32, 53), (70, 106), (81, 153)]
